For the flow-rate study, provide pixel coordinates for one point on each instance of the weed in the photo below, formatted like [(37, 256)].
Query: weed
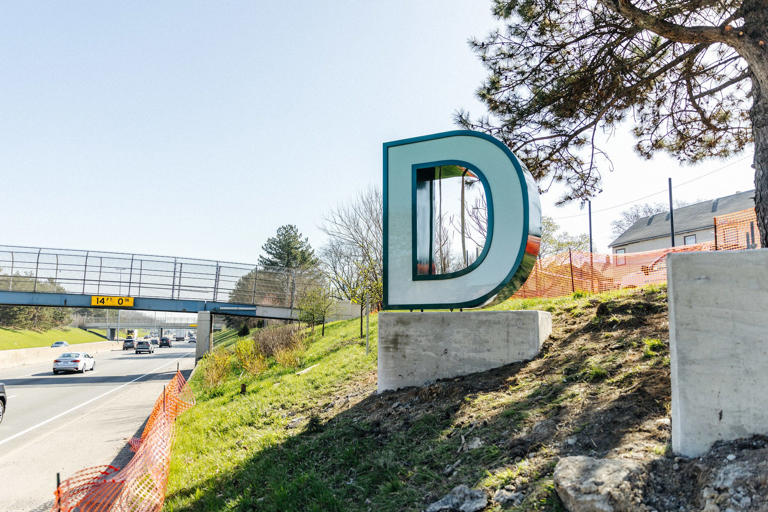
[(248, 358), (594, 373), (277, 339), (289, 357), (580, 294), (216, 367), (652, 347)]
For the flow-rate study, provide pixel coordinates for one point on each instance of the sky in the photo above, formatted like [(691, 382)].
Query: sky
[(196, 129)]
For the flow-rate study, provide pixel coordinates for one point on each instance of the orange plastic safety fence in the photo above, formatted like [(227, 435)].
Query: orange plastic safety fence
[(140, 485), (737, 230), (576, 271)]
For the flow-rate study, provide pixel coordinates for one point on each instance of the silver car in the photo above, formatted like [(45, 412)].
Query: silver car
[(73, 362)]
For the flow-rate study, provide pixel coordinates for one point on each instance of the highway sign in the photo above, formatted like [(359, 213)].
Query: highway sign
[(102, 300)]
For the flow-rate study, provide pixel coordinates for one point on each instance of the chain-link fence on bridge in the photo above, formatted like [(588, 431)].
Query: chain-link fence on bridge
[(43, 270)]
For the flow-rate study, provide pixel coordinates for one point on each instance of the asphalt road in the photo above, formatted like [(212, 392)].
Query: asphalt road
[(67, 422)]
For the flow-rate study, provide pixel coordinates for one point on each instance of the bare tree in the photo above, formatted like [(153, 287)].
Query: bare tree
[(637, 212)]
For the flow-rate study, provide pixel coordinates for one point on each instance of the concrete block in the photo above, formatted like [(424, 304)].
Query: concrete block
[(204, 342), (718, 329), (418, 348)]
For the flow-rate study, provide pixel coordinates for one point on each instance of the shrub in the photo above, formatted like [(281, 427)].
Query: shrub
[(276, 339), (216, 367), (244, 330), (248, 358)]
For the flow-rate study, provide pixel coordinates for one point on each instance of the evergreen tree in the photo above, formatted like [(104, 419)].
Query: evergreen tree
[(690, 75), (287, 249)]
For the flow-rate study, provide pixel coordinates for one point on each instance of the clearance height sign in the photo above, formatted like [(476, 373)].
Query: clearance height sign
[(110, 301)]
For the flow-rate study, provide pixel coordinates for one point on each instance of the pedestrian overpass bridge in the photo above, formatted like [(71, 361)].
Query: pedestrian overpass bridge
[(36, 276)]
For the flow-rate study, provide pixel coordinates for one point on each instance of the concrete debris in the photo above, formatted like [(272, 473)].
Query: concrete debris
[(586, 484), (460, 499)]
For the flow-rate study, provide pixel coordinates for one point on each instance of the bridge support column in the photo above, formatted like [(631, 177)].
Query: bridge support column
[(111, 333), (204, 338)]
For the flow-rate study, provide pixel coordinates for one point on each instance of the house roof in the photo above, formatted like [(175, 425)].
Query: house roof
[(689, 218)]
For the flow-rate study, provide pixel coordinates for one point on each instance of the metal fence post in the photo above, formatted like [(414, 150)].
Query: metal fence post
[(130, 276), (570, 260), (37, 266), (173, 280), (85, 271), (12, 262), (253, 291), (141, 270), (715, 220), (178, 288), (98, 283), (216, 282), (58, 491)]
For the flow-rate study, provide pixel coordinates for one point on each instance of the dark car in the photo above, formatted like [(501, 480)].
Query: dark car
[(144, 346), (3, 402), (128, 343), (165, 342)]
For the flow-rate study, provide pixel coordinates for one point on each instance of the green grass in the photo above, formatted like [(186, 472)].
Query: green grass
[(300, 442), (230, 442), (11, 339)]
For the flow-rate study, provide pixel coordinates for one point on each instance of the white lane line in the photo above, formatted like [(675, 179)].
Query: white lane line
[(73, 409), (11, 396)]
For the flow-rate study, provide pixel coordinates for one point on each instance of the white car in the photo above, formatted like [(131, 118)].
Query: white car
[(73, 362), (59, 344)]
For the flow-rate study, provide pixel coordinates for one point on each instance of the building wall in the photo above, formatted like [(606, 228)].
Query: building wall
[(704, 235)]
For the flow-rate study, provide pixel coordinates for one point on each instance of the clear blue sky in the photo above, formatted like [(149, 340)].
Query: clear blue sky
[(197, 128)]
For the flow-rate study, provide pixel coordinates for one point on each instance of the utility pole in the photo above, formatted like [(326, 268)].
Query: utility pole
[(671, 213)]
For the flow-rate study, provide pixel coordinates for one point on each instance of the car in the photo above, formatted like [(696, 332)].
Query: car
[(128, 344), (179, 338), (144, 346), (192, 340), (3, 402), (154, 341), (59, 344), (165, 342), (79, 362)]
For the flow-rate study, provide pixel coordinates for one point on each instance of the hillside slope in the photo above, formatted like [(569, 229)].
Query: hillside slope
[(324, 440)]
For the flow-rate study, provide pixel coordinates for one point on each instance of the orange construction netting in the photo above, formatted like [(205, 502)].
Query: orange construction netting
[(575, 271), (140, 485), (737, 230)]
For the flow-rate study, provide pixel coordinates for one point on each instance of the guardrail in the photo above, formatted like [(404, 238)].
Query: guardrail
[(46, 270)]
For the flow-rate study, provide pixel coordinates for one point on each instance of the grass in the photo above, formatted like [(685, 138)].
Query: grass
[(12, 339), (322, 440)]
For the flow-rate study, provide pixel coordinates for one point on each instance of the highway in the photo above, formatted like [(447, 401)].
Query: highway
[(67, 422)]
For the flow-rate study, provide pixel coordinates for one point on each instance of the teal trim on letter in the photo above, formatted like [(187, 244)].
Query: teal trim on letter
[(521, 266), (489, 232)]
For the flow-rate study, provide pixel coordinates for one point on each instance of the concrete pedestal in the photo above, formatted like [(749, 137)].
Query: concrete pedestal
[(718, 327), (418, 348), (204, 342)]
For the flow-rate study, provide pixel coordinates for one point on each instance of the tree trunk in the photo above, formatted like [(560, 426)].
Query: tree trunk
[(756, 32), (759, 117)]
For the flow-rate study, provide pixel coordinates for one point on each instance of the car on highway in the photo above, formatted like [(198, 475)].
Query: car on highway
[(3, 402), (154, 341), (57, 344), (73, 362), (165, 342), (144, 346), (192, 340), (128, 344)]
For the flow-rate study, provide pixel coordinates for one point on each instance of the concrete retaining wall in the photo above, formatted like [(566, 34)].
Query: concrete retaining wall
[(417, 348), (22, 356), (718, 326)]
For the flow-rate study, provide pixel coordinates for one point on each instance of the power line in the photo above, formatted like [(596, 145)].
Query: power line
[(731, 164)]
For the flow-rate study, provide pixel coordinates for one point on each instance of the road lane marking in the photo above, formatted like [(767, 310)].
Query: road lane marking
[(73, 409), (11, 396)]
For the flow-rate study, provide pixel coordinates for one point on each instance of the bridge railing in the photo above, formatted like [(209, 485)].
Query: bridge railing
[(46, 270)]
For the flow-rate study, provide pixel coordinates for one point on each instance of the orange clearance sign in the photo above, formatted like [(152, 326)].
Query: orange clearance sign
[(102, 300)]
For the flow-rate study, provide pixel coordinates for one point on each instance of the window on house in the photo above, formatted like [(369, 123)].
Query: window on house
[(620, 260), (689, 239)]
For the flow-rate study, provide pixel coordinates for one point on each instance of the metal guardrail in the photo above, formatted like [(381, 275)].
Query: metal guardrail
[(46, 270)]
